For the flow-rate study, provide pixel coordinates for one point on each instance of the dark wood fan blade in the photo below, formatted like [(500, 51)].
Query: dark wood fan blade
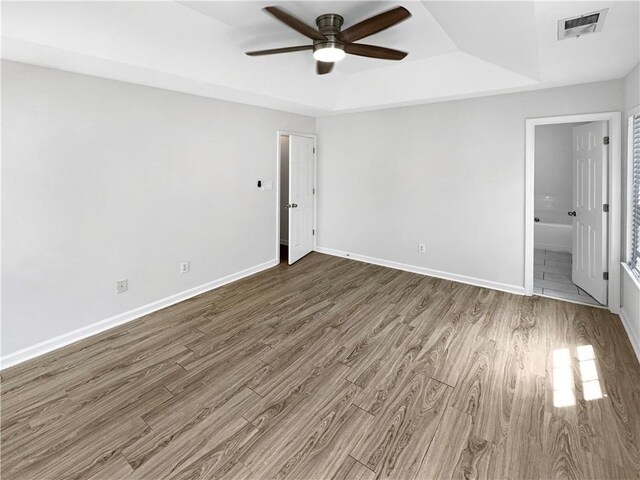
[(294, 23), (374, 25), (323, 67), (257, 53), (374, 51)]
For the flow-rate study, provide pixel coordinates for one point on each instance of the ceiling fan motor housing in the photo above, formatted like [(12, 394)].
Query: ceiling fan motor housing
[(329, 25)]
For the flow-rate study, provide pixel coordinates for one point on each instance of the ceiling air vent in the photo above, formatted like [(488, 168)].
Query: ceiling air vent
[(581, 25)]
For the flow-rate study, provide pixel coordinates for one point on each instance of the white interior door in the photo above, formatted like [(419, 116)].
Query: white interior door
[(590, 230), (301, 196)]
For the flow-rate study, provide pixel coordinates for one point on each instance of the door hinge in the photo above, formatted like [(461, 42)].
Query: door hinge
[(605, 275), (314, 148), (313, 231), (314, 191), (606, 140), (605, 208)]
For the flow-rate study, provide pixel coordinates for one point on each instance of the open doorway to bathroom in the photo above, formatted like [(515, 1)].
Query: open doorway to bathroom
[(593, 259), (570, 237)]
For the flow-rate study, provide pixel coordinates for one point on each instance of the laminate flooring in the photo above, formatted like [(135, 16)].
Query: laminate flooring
[(334, 369)]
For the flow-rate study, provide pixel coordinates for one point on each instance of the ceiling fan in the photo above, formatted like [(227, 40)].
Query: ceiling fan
[(331, 45)]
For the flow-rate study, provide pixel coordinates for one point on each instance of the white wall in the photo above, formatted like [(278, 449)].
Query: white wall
[(630, 287), (284, 189), (632, 88), (103, 180), (448, 174), (553, 177), (630, 310)]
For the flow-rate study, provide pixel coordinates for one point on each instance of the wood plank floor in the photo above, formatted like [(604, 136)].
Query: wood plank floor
[(334, 369)]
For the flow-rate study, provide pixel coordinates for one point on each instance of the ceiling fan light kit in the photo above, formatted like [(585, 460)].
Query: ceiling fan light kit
[(331, 44), (329, 53), (330, 49)]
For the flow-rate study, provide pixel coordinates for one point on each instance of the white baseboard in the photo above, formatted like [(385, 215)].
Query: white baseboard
[(626, 323), (95, 328), (479, 282)]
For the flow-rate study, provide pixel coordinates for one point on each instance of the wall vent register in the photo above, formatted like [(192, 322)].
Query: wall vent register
[(581, 25)]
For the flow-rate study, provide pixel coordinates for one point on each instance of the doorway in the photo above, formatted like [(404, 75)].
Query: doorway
[(572, 210), (296, 224), (563, 269)]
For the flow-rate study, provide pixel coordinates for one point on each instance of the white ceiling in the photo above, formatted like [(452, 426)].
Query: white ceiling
[(457, 49)]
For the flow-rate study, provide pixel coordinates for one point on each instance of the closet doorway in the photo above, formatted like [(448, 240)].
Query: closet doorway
[(297, 193)]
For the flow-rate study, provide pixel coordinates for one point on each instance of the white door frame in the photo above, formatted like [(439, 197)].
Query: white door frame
[(615, 198), (280, 133)]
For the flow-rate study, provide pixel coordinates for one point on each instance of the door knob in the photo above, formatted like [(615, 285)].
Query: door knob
[(292, 205), (571, 214)]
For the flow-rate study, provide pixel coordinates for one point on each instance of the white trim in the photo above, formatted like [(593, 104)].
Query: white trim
[(632, 112), (95, 328), (615, 187), (478, 282), (626, 323), (634, 278), (281, 133)]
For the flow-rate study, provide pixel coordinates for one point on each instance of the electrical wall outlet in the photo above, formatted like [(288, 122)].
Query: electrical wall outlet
[(184, 267), (421, 248), (122, 285), (267, 185)]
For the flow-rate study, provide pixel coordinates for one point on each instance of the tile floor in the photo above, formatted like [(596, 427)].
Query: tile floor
[(552, 277)]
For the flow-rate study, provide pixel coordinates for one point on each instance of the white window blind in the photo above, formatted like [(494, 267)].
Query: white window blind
[(634, 261)]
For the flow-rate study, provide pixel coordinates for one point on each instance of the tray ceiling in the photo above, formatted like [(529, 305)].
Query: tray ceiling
[(457, 49)]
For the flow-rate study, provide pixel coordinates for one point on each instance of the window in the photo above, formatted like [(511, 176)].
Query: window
[(634, 185)]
